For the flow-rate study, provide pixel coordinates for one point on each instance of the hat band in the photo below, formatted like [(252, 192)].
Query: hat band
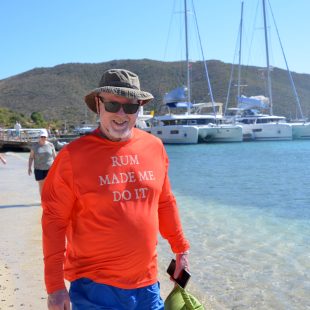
[(122, 84)]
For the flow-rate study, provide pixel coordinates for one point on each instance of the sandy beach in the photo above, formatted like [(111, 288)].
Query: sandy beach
[(21, 261), (21, 265)]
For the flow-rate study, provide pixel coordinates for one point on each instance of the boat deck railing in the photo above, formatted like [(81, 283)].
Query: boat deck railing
[(23, 136)]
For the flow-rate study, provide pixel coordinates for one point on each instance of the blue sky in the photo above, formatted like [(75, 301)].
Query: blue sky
[(45, 33)]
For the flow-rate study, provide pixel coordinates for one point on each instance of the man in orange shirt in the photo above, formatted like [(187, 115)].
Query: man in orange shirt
[(104, 201)]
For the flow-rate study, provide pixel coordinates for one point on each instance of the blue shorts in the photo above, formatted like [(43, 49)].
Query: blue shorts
[(88, 295)]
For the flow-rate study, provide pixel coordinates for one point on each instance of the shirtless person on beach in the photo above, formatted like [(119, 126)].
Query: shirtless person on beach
[(106, 197)]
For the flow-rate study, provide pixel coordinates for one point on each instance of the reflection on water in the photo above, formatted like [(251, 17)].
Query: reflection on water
[(245, 209)]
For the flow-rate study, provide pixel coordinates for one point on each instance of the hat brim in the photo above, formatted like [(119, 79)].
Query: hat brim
[(144, 96)]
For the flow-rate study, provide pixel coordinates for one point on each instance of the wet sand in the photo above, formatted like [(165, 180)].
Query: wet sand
[(21, 261), (21, 265)]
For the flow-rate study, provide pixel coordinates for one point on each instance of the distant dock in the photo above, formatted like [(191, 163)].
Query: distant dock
[(24, 140), (15, 145)]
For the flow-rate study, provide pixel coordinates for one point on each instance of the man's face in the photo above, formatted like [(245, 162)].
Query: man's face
[(116, 126)]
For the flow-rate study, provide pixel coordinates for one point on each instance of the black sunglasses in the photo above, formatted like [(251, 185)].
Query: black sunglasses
[(114, 107)]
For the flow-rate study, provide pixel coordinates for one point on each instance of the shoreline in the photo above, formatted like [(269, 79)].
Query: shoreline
[(21, 260)]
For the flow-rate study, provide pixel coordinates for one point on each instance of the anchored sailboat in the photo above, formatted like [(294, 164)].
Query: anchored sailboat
[(189, 127), (257, 125)]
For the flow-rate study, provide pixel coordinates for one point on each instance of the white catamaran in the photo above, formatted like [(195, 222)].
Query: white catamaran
[(251, 111), (188, 127)]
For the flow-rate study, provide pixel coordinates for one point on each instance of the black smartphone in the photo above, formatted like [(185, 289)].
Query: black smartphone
[(184, 276)]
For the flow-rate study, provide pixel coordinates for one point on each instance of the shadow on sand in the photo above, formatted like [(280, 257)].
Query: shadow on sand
[(37, 204)]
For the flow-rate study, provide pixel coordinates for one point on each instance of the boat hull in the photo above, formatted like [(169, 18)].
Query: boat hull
[(301, 131), (175, 134), (220, 133), (267, 132)]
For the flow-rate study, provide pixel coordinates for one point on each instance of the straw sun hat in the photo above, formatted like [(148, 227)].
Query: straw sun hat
[(119, 82)]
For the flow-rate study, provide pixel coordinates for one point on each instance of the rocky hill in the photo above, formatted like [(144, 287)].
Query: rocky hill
[(58, 92)]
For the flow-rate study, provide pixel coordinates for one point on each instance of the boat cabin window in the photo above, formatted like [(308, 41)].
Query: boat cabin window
[(183, 122), (263, 120), (247, 121)]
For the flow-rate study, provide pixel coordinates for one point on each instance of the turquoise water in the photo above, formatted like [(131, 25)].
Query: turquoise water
[(245, 208)]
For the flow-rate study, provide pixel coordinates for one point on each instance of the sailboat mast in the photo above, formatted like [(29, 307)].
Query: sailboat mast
[(267, 59), (240, 48), (187, 58)]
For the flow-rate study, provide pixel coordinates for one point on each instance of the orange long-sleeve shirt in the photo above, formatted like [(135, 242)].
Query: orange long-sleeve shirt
[(103, 204)]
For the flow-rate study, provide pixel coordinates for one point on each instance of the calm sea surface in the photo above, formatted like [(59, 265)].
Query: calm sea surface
[(245, 208)]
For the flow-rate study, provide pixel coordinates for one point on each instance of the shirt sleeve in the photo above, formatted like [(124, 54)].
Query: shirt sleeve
[(169, 220), (57, 202)]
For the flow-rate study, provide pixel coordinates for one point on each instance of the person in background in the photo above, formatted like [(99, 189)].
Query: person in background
[(17, 128), (42, 154), (2, 159), (104, 201)]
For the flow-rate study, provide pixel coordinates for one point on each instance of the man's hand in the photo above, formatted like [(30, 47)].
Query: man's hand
[(59, 300), (181, 263)]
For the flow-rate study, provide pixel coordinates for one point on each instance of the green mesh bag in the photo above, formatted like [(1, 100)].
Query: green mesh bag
[(180, 299)]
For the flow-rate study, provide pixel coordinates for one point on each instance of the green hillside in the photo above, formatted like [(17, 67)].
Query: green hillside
[(57, 93)]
